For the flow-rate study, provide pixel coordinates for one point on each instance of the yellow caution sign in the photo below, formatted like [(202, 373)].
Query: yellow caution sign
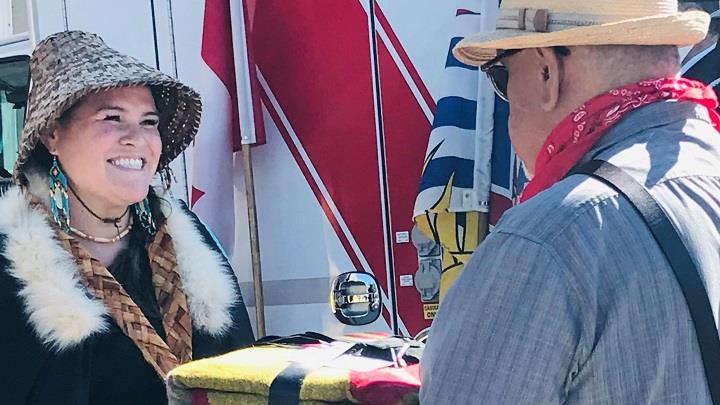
[(429, 311)]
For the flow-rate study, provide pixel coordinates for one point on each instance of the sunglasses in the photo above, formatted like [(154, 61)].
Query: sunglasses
[(498, 74)]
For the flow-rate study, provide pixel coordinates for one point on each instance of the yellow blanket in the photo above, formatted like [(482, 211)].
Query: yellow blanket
[(245, 376)]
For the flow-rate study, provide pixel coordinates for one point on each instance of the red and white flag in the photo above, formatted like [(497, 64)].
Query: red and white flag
[(230, 117)]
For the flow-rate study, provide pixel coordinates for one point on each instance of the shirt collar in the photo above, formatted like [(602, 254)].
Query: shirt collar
[(653, 116)]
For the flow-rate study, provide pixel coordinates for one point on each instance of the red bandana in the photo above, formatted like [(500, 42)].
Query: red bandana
[(576, 134)]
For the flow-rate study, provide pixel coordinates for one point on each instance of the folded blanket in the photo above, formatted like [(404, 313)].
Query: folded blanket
[(305, 374)]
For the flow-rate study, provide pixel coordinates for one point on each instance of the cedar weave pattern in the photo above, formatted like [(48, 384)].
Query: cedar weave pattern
[(162, 356), (171, 299)]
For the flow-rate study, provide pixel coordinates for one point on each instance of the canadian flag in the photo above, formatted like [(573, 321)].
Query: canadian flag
[(231, 108)]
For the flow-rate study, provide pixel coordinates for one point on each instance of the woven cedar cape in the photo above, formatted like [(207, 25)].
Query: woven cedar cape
[(69, 65), (162, 356)]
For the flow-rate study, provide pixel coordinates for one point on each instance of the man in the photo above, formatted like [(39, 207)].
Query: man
[(570, 299)]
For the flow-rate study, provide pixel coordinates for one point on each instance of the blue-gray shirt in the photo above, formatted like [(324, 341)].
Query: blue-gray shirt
[(570, 301)]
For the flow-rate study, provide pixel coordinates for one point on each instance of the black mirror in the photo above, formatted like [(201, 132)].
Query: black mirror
[(355, 298)]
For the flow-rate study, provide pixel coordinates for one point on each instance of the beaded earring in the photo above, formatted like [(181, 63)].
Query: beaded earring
[(142, 209), (59, 203)]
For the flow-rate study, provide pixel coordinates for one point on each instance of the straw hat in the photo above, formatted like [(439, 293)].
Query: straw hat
[(69, 65), (545, 23)]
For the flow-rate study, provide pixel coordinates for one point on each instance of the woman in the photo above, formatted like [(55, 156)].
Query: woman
[(106, 283)]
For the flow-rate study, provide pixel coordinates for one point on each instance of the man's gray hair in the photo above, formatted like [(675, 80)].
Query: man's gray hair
[(659, 59)]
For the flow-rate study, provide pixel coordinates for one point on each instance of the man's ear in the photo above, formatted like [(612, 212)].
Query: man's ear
[(551, 73)]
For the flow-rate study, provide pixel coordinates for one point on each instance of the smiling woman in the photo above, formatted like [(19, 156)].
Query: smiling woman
[(106, 283), (109, 146)]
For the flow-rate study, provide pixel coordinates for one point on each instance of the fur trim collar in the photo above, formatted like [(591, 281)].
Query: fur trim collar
[(60, 309), (56, 304), (210, 289)]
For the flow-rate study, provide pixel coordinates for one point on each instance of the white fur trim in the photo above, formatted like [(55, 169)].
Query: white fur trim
[(57, 305), (207, 285)]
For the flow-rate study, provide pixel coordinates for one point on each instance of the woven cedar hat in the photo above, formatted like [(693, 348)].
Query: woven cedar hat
[(545, 23), (69, 65)]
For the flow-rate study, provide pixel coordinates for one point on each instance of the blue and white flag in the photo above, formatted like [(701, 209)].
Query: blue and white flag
[(455, 185)]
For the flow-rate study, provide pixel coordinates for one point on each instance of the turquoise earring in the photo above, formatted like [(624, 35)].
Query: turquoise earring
[(59, 204), (142, 209)]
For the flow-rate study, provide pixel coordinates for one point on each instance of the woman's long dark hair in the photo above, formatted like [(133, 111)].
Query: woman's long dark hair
[(134, 257)]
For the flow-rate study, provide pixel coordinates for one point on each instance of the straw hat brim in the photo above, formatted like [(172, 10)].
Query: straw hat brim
[(680, 29)]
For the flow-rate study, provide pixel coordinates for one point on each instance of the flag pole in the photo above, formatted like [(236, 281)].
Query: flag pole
[(254, 240)]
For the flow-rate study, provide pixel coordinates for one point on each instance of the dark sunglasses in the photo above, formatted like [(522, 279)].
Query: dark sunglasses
[(497, 73)]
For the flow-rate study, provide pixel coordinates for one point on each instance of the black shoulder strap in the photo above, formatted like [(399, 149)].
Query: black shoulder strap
[(677, 256)]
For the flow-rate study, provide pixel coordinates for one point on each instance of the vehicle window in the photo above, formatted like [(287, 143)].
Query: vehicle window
[(14, 80), (19, 16), (13, 18)]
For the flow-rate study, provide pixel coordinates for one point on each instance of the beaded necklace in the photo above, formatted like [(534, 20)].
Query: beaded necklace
[(97, 239), (115, 221)]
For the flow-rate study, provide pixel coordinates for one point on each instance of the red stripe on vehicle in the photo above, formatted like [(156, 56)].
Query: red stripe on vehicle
[(318, 194), (315, 57), (424, 92)]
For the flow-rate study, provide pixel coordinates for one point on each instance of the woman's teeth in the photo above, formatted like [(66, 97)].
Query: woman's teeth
[(135, 164)]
